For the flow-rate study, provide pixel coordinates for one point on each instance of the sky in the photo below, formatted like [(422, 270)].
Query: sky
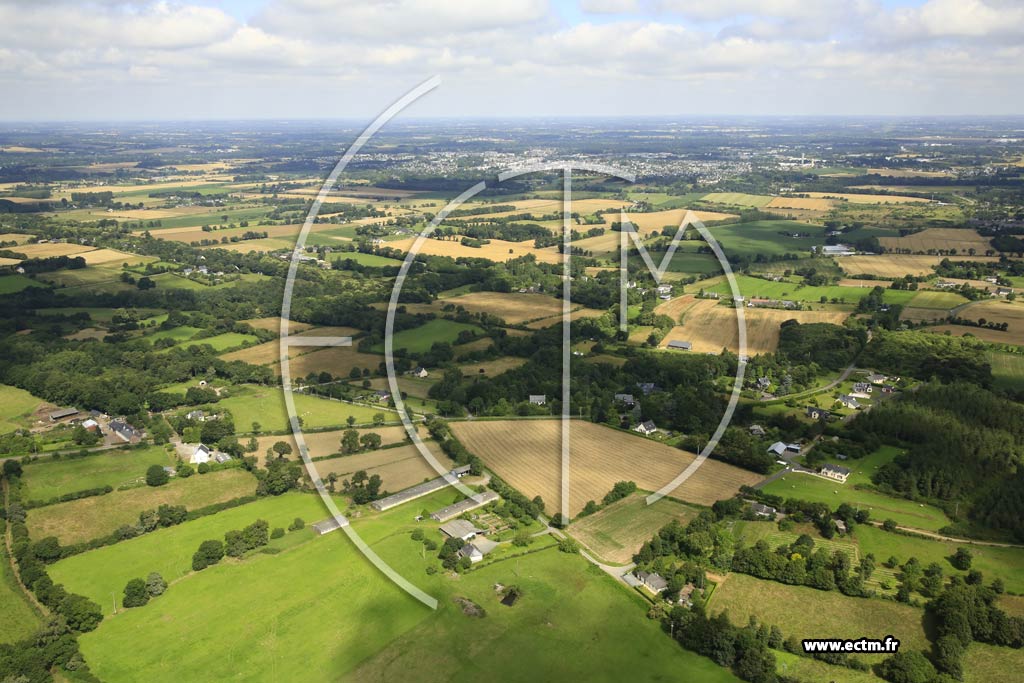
[(349, 59)]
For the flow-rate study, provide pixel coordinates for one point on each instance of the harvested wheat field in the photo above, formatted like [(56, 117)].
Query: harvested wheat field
[(674, 308), (922, 314), (997, 311), (656, 220), (939, 239), (18, 237), (868, 198), (4, 261), (101, 256), (491, 368), (51, 249), (496, 250), (575, 315), (512, 308), (898, 265), (270, 352), (399, 467), (527, 454), (328, 443), (814, 204), (273, 324), (712, 328), (337, 360)]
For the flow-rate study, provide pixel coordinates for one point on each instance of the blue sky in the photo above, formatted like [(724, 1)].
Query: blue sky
[(202, 59)]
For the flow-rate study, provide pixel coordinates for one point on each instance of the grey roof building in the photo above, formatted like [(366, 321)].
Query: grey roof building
[(456, 509)]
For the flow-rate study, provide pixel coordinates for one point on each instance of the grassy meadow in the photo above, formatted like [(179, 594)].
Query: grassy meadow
[(46, 479)]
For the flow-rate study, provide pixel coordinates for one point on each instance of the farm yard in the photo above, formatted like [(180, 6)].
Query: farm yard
[(527, 455), (88, 518), (616, 532)]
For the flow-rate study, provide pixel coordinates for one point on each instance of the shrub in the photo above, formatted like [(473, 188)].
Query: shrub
[(155, 584), (136, 594), (157, 476), (203, 468), (277, 532), (297, 524)]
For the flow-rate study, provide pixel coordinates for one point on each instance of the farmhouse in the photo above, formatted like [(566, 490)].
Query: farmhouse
[(472, 552), (383, 396), (652, 581), (849, 402), (92, 426), (647, 388), (876, 378), (200, 455), (778, 448), (762, 510), (836, 472), (456, 509), (757, 430), (538, 399), (763, 383), (63, 413), (678, 345), (461, 529), (625, 399), (196, 415), (1003, 291), (646, 428), (420, 372), (125, 431), (862, 388), (816, 413), (840, 526)]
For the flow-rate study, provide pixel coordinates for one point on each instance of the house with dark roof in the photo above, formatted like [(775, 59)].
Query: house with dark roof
[(837, 472), (472, 552), (652, 581), (420, 372), (625, 399), (816, 413), (646, 428), (125, 431), (849, 401), (762, 510), (647, 387)]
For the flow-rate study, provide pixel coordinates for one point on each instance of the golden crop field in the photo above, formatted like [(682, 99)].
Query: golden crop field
[(102, 256), (814, 204), (674, 308), (273, 324), (527, 454), (491, 368), (656, 220), (513, 308), (327, 443), (922, 314), (4, 261), (937, 239), (712, 328), (497, 250), (19, 237), (195, 233), (737, 198), (867, 198), (51, 249), (270, 352), (906, 173), (399, 467), (575, 315), (898, 265), (337, 360), (995, 310), (541, 207)]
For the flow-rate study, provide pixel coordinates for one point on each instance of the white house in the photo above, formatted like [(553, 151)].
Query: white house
[(420, 372), (538, 399), (472, 552), (646, 428), (836, 472), (201, 454)]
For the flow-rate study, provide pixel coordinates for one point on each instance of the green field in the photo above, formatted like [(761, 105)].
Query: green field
[(816, 489), (760, 288), (737, 199), (46, 479), (809, 613), (940, 300), (177, 334), (1004, 563), (10, 284), (17, 408), (991, 664), (88, 518), (812, 670), (99, 572), (763, 237), (420, 339), (617, 531), (265, 405), (372, 260), (1007, 369), (344, 621), (20, 619), (690, 262), (223, 342)]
